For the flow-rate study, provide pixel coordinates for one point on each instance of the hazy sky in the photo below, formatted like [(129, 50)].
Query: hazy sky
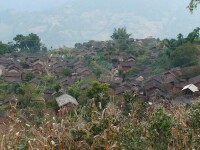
[(72, 21), (30, 5)]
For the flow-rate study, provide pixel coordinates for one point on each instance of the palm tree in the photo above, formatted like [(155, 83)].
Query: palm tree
[(180, 39)]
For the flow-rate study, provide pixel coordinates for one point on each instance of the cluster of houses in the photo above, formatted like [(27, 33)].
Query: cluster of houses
[(168, 85), (15, 66)]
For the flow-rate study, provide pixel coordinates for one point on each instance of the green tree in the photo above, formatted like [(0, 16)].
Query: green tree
[(57, 87), (193, 5), (193, 35), (120, 34), (185, 55), (160, 130), (20, 42), (29, 93), (99, 92), (180, 39), (29, 76), (66, 71), (6, 48), (30, 43)]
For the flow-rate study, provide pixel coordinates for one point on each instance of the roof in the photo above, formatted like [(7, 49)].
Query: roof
[(65, 99), (191, 87), (195, 80), (121, 89), (140, 78)]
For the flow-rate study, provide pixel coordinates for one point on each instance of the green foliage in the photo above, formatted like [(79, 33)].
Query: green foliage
[(193, 116), (99, 91), (193, 5), (160, 130), (28, 94), (129, 98), (51, 103), (185, 55), (120, 34), (57, 87), (131, 137), (24, 65), (193, 35), (78, 134), (15, 87), (66, 71), (29, 76), (132, 71), (6, 48), (80, 93), (30, 43)]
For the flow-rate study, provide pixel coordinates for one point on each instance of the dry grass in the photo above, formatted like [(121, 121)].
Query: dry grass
[(88, 128)]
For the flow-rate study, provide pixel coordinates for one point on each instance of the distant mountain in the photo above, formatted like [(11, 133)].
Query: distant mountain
[(79, 21)]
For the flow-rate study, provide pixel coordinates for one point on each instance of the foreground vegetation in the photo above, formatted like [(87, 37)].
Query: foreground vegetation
[(132, 124)]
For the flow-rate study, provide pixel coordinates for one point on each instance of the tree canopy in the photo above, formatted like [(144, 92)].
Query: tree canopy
[(30, 43), (6, 48), (120, 34), (193, 5), (185, 55)]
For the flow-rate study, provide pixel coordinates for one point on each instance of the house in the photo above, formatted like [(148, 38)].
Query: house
[(154, 87), (38, 65), (172, 75), (195, 81), (13, 74), (124, 87), (48, 93), (126, 65), (67, 81), (65, 103), (2, 70), (190, 89), (83, 72), (121, 89)]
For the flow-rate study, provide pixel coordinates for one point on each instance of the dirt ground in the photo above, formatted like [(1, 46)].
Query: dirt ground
[(4, 125)]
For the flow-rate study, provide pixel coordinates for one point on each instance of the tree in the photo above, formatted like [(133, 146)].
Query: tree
[(6, 48), (185, 55), (99, 92), (30, 43), (120, 34), (180, 39), (193, 35), (28, 94), (193, 5), (57, 87), (120, 37), (66, 71), (20, 42), (29, 76)]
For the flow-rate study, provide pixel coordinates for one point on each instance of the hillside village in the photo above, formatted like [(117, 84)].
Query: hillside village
[(135, 89), (81, 63), (121, 93)]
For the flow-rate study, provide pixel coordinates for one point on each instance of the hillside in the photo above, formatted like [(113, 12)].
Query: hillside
[(123, 93)]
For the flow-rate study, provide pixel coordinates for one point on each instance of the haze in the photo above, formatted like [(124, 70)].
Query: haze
[(66, 22)]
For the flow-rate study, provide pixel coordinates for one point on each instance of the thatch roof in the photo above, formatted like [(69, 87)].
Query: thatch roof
[(65, 99)]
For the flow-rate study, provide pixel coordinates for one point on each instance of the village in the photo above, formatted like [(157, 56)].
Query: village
[(177, 85)]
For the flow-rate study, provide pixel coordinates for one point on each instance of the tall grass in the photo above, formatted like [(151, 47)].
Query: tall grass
[(150, 127)]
